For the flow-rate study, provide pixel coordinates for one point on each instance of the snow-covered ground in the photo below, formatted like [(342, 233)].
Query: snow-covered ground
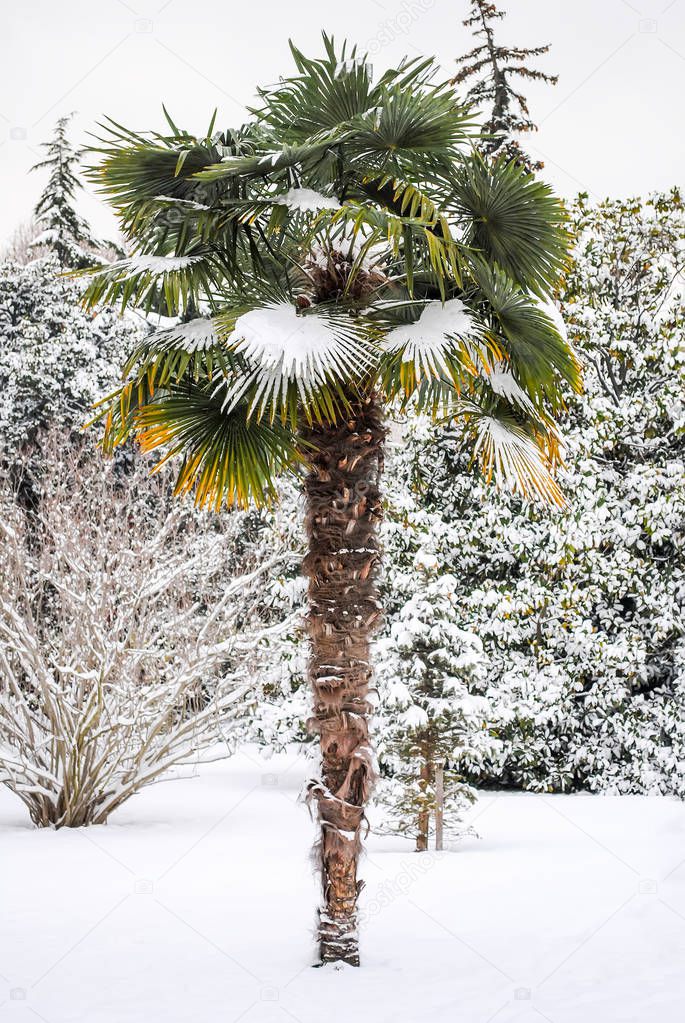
[(196, 903)]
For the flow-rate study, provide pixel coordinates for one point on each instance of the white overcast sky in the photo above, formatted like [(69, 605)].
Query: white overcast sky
[(613, 124)]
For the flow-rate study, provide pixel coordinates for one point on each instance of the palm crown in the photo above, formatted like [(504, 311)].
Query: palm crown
[(347, 240)]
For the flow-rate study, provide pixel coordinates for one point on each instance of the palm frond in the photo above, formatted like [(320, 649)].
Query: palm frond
[(513, 220), (413, 133), (170, 356), (331, 91), (413, 243), (226, 456), (327, 92), (300, 365), (131, 170), (441, 343), (513, 452), (191, 349), (167, 284), (269, 161), (530, 341)]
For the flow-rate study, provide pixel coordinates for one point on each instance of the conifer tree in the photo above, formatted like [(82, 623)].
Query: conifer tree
[(426, 662), (57, 358), (63, 231), (492, 67)]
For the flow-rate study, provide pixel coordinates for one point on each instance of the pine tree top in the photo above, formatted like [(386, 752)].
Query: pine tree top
[(492, 67), (62, 230)]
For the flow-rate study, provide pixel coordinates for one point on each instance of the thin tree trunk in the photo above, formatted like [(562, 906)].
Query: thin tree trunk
[(422, 836), (439, 805), (343, 510)]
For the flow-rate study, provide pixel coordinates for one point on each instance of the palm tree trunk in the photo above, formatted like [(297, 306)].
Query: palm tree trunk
[(343, 510)]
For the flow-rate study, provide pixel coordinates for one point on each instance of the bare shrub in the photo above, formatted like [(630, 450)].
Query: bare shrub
[(20, 248), (130, 629)]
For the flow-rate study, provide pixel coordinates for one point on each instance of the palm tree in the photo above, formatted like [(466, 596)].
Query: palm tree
[(345, 252)]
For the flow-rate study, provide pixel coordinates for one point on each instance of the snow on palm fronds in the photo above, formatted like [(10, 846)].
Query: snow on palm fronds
[(283, 346), (193, 336), (503, 383), (127, 646), (307, 200), (508, 454), (427, 343), (145, 264)]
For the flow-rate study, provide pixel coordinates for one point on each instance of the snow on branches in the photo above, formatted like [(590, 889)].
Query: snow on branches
[(131, 631), (57, 358), (580, 610), (61, 230), (425, 660), (491, 69)]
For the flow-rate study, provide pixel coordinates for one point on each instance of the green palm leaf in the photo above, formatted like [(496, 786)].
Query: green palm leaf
[(227, 457), (539, 356), (331, 91), (513, 220)]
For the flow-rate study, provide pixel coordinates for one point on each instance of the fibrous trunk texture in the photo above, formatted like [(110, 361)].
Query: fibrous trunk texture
[(342, 516)]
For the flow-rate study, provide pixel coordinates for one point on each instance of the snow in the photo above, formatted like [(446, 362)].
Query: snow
[(276, 338), (426, 559), (194, 336), (426, 342), (492, 429), (58, 358), (148, 264), (414, 717), (306, 200), (552, 310), (271, 158), (575, 607), (196, 902), (503, 383), (190, 204), (46, 237)]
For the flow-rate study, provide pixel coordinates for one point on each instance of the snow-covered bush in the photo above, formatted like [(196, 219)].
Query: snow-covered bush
[(132, 632), (57, 359), (580, 610)]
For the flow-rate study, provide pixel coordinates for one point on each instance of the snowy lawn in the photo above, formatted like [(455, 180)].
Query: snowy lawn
[(196, 903)]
